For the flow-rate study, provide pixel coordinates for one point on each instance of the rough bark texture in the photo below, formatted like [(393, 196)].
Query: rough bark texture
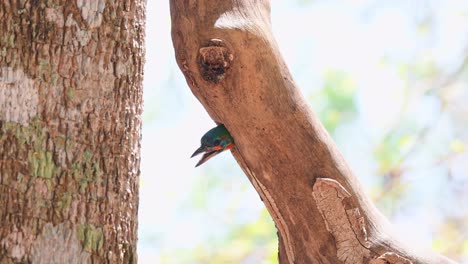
[(70, 104), (233, 66)]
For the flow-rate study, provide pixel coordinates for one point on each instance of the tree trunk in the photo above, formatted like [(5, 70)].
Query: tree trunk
[(233, 66), (70, 105)]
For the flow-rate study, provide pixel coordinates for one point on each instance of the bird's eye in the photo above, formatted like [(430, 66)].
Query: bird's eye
[(216, 142)]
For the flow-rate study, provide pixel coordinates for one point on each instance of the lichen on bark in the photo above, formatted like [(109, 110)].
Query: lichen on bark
[(70, 106)]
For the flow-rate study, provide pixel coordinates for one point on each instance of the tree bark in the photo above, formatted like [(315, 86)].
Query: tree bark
[(232, 64), (70, 105)]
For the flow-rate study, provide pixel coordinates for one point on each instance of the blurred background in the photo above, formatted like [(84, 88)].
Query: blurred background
[(389, 79)]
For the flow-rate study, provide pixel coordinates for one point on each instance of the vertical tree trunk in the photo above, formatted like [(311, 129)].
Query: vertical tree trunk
[(233, 66), (70, 105)]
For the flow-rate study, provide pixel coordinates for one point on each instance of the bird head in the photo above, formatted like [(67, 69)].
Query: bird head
[(214, 142)]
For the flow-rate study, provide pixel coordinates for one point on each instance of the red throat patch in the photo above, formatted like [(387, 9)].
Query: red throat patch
[(217, 147)]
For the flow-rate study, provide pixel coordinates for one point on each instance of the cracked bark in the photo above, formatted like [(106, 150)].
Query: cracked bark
[(233, 66), (70, 105)]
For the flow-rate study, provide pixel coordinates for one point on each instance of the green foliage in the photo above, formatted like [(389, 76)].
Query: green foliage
[(255, 241), (389, 151), (335, 101), (198, 197), (260, 231), (419, 70)]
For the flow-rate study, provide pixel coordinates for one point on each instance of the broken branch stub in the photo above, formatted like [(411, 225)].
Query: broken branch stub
[(215, 59)]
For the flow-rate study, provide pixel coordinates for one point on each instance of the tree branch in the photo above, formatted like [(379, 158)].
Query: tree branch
[(233, 66)]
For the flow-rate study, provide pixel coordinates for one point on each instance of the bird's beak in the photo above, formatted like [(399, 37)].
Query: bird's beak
[(198, 151), (208, 155)]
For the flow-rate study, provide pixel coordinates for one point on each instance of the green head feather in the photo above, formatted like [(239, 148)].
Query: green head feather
[(218, 136), (215, 141)]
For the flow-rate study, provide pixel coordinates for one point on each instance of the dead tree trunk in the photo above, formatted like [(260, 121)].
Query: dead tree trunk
[(70, 105), (229, 57)]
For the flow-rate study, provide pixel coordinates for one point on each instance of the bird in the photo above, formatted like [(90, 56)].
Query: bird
[(213, 142)]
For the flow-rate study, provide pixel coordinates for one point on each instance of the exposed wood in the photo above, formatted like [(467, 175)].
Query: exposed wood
[(233, 66), (70, 105)]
